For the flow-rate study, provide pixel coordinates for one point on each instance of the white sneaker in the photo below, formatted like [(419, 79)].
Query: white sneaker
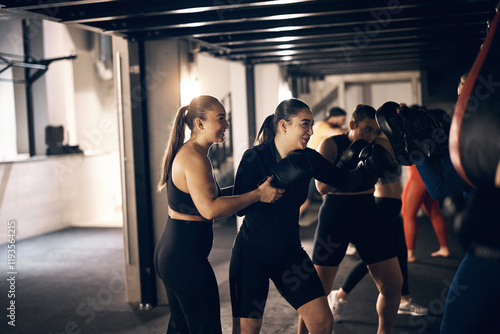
[(336, 305), (412, 308), (351, 249)]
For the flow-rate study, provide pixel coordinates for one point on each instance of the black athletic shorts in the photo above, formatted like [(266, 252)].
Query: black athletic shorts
[(293, 275), (350, 218)]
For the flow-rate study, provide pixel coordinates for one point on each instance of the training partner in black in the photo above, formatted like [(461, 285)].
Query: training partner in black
[(348, 216)]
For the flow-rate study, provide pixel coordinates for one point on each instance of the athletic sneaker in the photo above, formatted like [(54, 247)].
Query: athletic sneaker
[(351, 249), (412, 308), (336, 305)]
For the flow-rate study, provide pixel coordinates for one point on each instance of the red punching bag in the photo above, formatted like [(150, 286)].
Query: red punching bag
[(475, 129)]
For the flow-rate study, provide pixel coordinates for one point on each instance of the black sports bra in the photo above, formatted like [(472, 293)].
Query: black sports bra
[(342, 142), (180, 201)]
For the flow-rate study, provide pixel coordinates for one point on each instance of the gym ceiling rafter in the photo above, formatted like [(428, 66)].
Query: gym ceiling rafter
[(309, 37)]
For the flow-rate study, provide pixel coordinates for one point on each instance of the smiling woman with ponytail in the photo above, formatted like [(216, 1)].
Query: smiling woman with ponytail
[(181, 256)]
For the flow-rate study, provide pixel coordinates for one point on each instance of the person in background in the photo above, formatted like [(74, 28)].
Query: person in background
[(415, 196), (332, 125)]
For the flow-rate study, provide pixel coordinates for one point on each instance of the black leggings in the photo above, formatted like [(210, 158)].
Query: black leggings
[(390, 209), (181, 261)]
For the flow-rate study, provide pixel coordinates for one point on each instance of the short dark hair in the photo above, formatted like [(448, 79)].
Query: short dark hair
[(363, 111), (335, 111)]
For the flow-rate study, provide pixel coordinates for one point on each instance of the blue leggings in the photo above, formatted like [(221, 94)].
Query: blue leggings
[(181, 261), (473, 301)]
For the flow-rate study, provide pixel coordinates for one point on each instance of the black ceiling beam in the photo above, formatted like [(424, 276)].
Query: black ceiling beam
[(339, 57), (367, 67), (197, 26), (311, 25), (389, 41), (460, 56), (102, 10), (345, 53), (478, 23), (447, 57), (307, 35), (172, 5), (375, 66), (163, 12), (35, 5), (477, 29)]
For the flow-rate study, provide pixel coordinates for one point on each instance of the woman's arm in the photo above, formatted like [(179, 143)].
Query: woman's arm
[(250, 172), (440, 183), (204, 192), (328, 151)]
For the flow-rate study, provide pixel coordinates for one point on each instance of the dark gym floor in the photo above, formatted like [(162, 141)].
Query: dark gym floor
[(72, 281)]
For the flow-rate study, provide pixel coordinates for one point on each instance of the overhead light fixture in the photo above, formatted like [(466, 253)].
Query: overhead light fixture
[(285, 28), (285, 53), (284, 39)]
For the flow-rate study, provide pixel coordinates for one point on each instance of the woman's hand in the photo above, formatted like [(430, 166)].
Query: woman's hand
[(269, 194)]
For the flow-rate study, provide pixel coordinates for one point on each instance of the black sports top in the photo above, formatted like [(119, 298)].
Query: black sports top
[(343, 143), (180, 201), (269, 229), (391, 177)]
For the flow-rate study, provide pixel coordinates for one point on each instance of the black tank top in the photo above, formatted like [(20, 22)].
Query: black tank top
[(391, 177), (343, 143), (180, 201)]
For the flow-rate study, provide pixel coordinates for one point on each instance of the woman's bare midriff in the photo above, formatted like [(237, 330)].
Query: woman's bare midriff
[(182, 216), (388, 190)]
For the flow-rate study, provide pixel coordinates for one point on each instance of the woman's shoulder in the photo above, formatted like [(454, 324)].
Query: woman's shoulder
[(257, 150), (329, 143), (188, 157), (253, 154)]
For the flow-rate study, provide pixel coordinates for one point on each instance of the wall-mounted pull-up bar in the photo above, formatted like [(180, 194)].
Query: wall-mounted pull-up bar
[(41, 65), (33, 69)]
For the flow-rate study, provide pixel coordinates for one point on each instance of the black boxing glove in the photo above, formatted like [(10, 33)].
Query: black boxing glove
[(350, 157), (376, 160), (413, 133), (428, 132), (478, 224), (392, 124), (439, 123), (293, 167)]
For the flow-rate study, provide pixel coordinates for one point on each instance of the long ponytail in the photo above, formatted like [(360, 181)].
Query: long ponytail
[(267, 131), (177, 137), (185, 117)]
